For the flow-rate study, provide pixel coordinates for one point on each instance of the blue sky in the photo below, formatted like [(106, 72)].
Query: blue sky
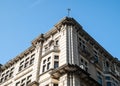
[(23, 20)]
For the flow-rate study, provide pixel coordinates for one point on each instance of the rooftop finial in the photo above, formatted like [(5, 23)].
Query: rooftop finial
[(69, 11)]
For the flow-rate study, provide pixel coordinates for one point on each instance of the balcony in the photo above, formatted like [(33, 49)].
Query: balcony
[(85, 53), (84, 67), (109, 70), (97, 62), (53, 48), (74, 69)]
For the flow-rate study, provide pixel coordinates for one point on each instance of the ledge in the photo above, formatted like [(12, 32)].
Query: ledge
[(22, 74), (73, 69), (34, 83)]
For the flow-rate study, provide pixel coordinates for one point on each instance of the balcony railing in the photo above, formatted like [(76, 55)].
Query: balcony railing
[(85, 53), (51, 49), (84, 67), (109, 70)]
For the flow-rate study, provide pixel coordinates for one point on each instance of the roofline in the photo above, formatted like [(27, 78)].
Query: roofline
[(17, 58), (72, 21), (65, 20)]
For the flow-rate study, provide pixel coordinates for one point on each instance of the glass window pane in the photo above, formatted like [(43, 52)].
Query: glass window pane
[(108, 83), (56, 64)]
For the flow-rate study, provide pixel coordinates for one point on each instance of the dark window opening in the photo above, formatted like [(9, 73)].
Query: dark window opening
[(56, 64), (43, 70)]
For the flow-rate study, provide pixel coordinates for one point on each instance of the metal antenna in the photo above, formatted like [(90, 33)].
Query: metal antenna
[(68, 11)]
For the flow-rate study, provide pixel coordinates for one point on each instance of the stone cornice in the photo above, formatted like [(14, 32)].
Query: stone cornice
[(73, 69), (17, 58), (56, 28), (97, 45), (38, 39), (68, 21), (43, 37), (73, 22)]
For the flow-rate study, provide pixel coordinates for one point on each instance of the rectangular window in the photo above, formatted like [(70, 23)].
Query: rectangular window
[(23, 81), (29, 77), (32, 56), (99, 76), (96, 57), (81, 60), (48, 65), (11, 74), (56, 57), (100, 80), (21, 62), (17, 84), (26, 64), (55, 84), (83, 64), (57, 42), (56, 61), (7, 72), (12, 69), (21, 67), (56, 64), (82, 43), (6, 77), (22, 84), (44, 66), (109, 84), (44, 61), (3, 74), (46, 48), (49, 58), (2, 79), (28, 82), (27, 59), (31, 61), (107, 78)]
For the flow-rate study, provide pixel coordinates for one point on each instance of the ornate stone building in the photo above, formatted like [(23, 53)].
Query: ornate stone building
[(64, 56)]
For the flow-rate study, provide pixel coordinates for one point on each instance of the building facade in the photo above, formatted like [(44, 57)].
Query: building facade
[(64, 56)]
